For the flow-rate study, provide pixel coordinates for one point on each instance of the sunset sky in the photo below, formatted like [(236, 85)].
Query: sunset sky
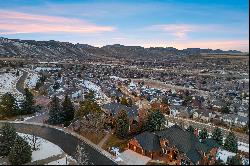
[(182, 24)]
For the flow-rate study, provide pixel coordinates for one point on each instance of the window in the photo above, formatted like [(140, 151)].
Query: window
[(175, 155), (164, 151)]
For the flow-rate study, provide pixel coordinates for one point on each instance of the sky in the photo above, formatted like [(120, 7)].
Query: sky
[(215, 24)]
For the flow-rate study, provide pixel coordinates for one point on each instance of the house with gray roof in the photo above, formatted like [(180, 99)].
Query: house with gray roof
[(175, 146), (235, 119), (114, 108)]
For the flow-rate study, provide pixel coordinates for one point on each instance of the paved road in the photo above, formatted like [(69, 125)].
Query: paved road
[(162, 85), (20, 82), (66, 140), (39, 118), (210, 127)]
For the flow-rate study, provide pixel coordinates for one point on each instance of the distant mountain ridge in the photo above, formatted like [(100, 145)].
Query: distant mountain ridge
[(60, 50)]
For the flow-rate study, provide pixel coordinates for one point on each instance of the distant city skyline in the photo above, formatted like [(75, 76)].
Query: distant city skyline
[(220, 24)]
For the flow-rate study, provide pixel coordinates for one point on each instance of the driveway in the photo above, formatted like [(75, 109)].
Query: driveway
[(132, 158)]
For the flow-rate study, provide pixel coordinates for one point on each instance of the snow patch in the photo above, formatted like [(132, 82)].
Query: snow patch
[(117, 78), (224, 154), (243, 147), (46, 148), (38, 69), (31, 80), (98, 92), (8, 85)]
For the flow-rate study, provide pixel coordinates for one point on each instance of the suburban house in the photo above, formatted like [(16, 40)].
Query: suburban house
[(218, 104), (158, 105), (175, 146), (112, 109), (203, 114), (43, 102), (235, 119), (175, 110)]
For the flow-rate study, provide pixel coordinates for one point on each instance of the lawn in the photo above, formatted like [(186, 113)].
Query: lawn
[(114, 141)]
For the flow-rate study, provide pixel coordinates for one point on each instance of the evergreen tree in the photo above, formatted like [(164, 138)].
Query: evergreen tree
[(122, 124), (17, 73), (124, 101), (27, 106), (7, 137), (164, 100), (234, 160), (118, 99), (40, 82), (225, 110), (55, 115), (90, 95), (67, 110), (56, 86), (8, 106), (217, 136), (219, 162), (20, 152), (203, 134), (156, 121), (231, 143), (38, 85), (129, 102), (190, 129), (87, 106)]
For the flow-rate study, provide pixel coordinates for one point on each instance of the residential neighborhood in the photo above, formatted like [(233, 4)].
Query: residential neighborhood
[(124, 82)]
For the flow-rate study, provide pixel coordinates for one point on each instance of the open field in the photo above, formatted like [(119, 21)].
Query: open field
[(163, 86), (12, 59), (225, 56)]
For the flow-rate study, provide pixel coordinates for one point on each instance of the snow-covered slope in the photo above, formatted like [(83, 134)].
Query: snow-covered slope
[(31, 80), (8, 84), (98, 92)]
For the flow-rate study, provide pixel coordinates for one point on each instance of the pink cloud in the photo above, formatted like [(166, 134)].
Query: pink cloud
[(16, 22), (242, 45), (222, 44), (181, 30)]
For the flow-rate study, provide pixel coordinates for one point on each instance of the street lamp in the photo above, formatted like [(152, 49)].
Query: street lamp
[(66, 160)]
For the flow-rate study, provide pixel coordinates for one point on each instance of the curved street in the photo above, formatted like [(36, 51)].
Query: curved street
[(20, 82), (66, 140)]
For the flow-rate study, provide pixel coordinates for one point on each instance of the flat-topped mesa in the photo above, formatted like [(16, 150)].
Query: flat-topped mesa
[(61, 50)]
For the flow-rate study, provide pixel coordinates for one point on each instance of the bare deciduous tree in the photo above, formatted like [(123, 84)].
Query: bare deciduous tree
[(81, 155), (34, 142)]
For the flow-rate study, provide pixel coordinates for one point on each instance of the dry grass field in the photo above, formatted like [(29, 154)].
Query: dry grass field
[(226, 56)]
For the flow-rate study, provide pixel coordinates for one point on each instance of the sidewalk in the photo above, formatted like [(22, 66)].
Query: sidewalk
[(103, 141)]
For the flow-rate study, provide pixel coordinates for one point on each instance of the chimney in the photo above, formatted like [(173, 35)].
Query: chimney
[(196, 132)]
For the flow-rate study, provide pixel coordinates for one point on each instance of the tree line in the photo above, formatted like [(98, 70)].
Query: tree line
[(14, 147), (61, 113), (230, 143), (10, 108)]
